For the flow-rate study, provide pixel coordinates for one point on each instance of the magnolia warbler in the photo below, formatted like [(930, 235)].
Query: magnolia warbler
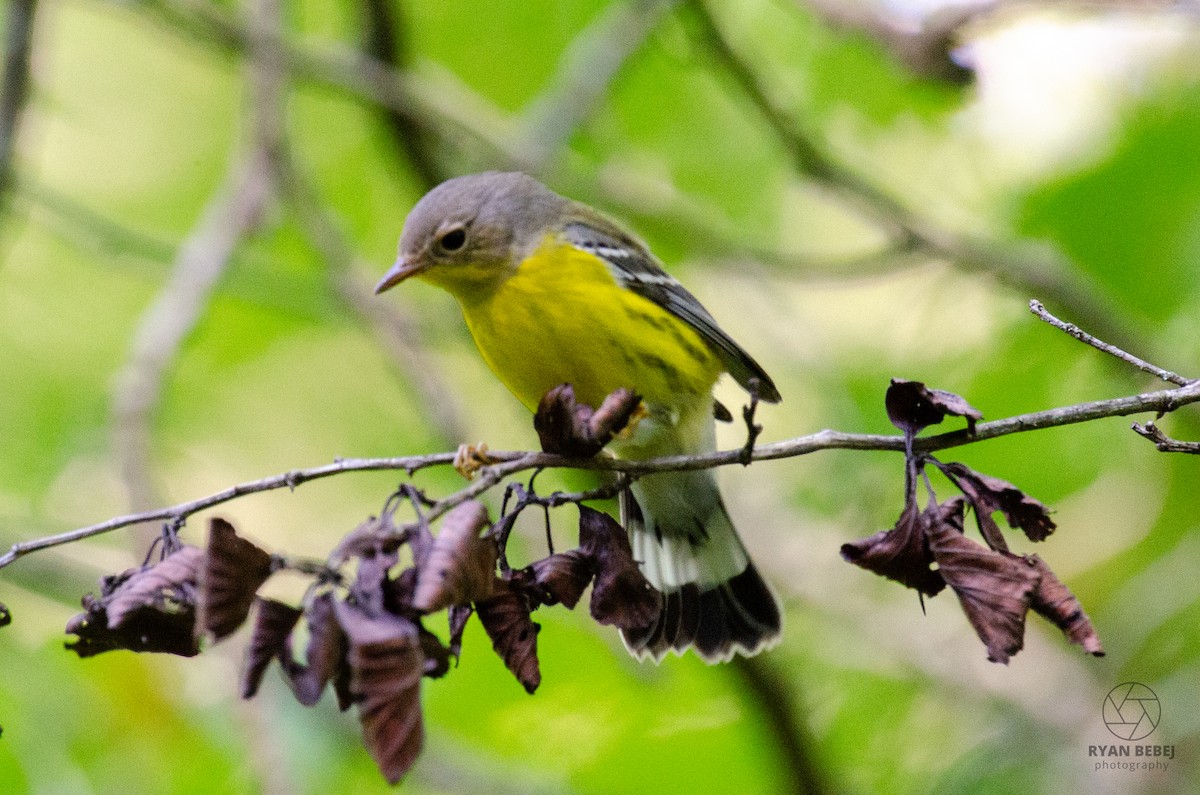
[(555, 292)]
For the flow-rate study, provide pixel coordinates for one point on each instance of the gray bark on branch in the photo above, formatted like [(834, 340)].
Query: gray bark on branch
[(507, 464)]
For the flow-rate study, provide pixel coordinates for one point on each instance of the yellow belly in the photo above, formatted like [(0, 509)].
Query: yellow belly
[(562, 318)]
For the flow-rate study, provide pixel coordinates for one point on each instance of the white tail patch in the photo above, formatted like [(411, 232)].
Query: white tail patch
[(714, 599)]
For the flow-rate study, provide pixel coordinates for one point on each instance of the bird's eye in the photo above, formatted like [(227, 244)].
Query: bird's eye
[(453, 240)]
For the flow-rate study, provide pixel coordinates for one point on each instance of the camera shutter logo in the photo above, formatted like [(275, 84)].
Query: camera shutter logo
[(1131, 711)]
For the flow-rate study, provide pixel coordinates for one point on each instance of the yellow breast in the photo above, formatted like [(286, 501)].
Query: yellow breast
[(563, 318)]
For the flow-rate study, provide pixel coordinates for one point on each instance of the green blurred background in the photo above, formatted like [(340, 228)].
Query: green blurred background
[(851, 205)]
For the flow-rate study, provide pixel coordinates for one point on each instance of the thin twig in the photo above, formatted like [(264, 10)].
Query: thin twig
[(285, 480), (1164, 443), (78, 223), (925, 46), (14, 92), (455, 114), (481, 133), (1038, 309), (509, 463)]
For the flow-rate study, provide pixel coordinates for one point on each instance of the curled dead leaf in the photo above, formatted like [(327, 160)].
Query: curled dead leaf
[(385, 663), (995, 589), (901, 554), (505, 618), (461, 565), (912, 406), (325, 655), (233, 570), (378, 534), (1055, 602), (989, 494), (562, 577), (270, 639), (458, 615), (621, 594), (567, 427), (147, 609)]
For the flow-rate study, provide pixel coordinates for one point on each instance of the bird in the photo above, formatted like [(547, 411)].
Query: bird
[(555, 292)]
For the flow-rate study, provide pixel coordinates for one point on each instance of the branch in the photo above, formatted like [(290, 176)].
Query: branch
[(387, 42), (80, 225), (1032, 268), (773, 694), (510, 463), (1036, 308), (483, 134), (1164, 443), (18, 45), (925, 45), (454, 112)]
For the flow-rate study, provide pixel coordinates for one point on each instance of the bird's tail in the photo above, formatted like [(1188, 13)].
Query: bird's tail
[(714, 599)]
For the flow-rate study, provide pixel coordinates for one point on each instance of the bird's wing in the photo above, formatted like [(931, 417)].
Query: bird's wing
[(637, 269)]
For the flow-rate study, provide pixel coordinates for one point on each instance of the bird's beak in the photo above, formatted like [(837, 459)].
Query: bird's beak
[(403, 268)]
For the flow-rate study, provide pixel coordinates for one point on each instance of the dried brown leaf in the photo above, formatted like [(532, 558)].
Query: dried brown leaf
[(386, 662), (341, 688), (270, 639), (505, 617), (994, 588), (234, 568), (989, 494), (437, 655), (614, 413), (148, 609), (621, 594), (912, 406), (169, 585), (1055, 602), (562, 577), (461, 565), (901, 554), (372, 589), (376, 535), (399, 592), (458, 617), (567, 427), (325, 656)]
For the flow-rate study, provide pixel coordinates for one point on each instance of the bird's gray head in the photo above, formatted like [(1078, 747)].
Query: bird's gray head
[(473, 230)]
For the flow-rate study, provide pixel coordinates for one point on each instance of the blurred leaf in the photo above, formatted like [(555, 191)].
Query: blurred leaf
[(386, 664), (912, 406), (270, 639)]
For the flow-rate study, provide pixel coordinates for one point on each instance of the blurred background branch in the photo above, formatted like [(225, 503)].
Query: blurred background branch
[(232, 215), (18, 44)]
